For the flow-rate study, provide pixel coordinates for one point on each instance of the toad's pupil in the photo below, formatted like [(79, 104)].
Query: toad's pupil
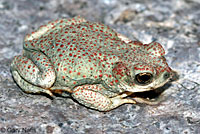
[(144, 78)]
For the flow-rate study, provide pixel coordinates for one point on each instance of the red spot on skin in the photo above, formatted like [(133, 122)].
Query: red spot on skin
[(100, 75), (33, 70), (84, 76), (120, 69), (70, 54), (60, 55), (61, 45), (65, 69), (70, 71), (74, 82), (78, 73), (111, 83)]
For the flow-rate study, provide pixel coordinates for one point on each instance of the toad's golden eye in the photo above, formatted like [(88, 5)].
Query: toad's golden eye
[(144, 78)]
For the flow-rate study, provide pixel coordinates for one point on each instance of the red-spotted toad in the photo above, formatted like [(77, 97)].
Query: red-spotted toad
[(94, 64)]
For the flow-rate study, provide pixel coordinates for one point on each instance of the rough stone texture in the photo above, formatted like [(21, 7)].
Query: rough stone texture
[(173, 23)]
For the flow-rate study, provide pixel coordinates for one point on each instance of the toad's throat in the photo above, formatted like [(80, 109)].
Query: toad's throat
[(152, 94)]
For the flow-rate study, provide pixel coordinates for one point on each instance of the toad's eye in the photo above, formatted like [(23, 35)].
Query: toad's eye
[(144, 78)]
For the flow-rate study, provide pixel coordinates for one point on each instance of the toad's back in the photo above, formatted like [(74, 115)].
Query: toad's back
[(80, 52)]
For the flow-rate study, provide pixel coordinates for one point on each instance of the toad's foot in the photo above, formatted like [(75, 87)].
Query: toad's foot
[(27, 87)]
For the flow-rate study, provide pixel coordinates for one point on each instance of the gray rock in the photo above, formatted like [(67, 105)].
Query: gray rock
[(175, 24)]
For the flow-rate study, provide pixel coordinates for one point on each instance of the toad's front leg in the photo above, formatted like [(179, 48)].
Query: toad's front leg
[(95, 99)]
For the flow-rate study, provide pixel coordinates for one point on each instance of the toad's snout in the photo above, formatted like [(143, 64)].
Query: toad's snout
[(174, 76)]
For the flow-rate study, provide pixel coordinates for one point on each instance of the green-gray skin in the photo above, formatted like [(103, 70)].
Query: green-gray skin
[(95, 65)]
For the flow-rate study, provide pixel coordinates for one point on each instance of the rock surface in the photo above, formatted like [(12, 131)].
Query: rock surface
[(175, 24)]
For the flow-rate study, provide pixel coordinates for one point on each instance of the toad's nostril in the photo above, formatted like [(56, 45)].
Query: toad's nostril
[(166, 75)]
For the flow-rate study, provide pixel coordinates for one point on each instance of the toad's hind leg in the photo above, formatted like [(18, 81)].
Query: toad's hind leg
[(33, 72), (27, 87), (92, 98)]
